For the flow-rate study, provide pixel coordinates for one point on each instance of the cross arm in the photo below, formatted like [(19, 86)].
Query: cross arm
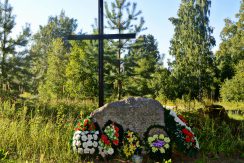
[(97, 37)]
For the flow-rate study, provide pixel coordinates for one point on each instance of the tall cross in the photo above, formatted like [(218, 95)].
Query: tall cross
[(101, 36)]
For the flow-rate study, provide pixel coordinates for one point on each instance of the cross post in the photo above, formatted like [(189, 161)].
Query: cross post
[(100, 37)]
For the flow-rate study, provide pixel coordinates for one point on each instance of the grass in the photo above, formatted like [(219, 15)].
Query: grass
[(41, 133)]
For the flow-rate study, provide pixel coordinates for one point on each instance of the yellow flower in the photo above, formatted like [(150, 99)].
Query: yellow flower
[(166, 146), (150, 140), (167, 140), (154, 149), (161, 136), (169, 161), (162, 150), (155, 137)]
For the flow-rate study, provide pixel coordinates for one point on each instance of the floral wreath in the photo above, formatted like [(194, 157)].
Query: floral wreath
[(181, 133), (158, 146), (85, 137), (131, 144), (111, 139)]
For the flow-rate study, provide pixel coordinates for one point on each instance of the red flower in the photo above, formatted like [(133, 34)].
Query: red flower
[(188, 139), (116, 134), (185, 131), (116, 129), (190, 134), (182, 118), (86, 122), (104, 137), (107, 142), (115, 142)]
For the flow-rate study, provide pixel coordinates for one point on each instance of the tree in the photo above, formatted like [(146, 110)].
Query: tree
[(232, 89), (193, 67), (121, 18), (57, 27), (53, 87), (81, 72), (141, 63), (230, 51), (12, 60)]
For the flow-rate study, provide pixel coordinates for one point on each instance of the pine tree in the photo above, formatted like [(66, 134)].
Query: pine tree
[(191, 47), (121, 18), (57, 27), (53, 87), (12, 60), (81, 71), (141, 63)]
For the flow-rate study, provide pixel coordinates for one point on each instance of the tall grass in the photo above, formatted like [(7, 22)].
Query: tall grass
[(34, 135), (41, 133)]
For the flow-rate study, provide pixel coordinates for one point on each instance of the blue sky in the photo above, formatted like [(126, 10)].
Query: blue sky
[(155, 12)]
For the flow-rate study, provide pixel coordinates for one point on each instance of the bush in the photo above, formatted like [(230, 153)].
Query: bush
[(233, 90)]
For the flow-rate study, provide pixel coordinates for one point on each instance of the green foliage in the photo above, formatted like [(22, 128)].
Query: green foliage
[(231, 52), (191, 45), (81, 73), (233, 90), (14, 77), (141, 63), (53, 85), (57, 27), (122, 17), (41, 134)]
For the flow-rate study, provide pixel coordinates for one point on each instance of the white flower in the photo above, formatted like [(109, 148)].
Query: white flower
[(86, 150), (97, 132), (86, 132), (77, 132), (95, 144), (82, 133), (101, 152), (89, 143), (78, 143), (90, 137), (92, 151), (80, 150), (110, 151), (77, 137), (95, 137), (84, 138), (74, 143), (84, 145)]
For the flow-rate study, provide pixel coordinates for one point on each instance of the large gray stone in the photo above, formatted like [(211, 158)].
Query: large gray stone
[(136, 114)]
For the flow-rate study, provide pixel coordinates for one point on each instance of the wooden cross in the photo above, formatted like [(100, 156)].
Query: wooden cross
[(101, 36)]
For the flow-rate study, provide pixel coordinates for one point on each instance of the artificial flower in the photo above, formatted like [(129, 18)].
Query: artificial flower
[(89, 136), (80, 150), (95, 144), (84, 138)]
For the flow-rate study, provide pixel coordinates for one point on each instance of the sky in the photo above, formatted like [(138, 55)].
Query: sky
[(155, 12)]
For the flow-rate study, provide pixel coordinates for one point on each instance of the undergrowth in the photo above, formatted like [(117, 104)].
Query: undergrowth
[(41, 133)]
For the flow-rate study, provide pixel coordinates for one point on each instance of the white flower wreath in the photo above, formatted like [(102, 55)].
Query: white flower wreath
[(85, 142)]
